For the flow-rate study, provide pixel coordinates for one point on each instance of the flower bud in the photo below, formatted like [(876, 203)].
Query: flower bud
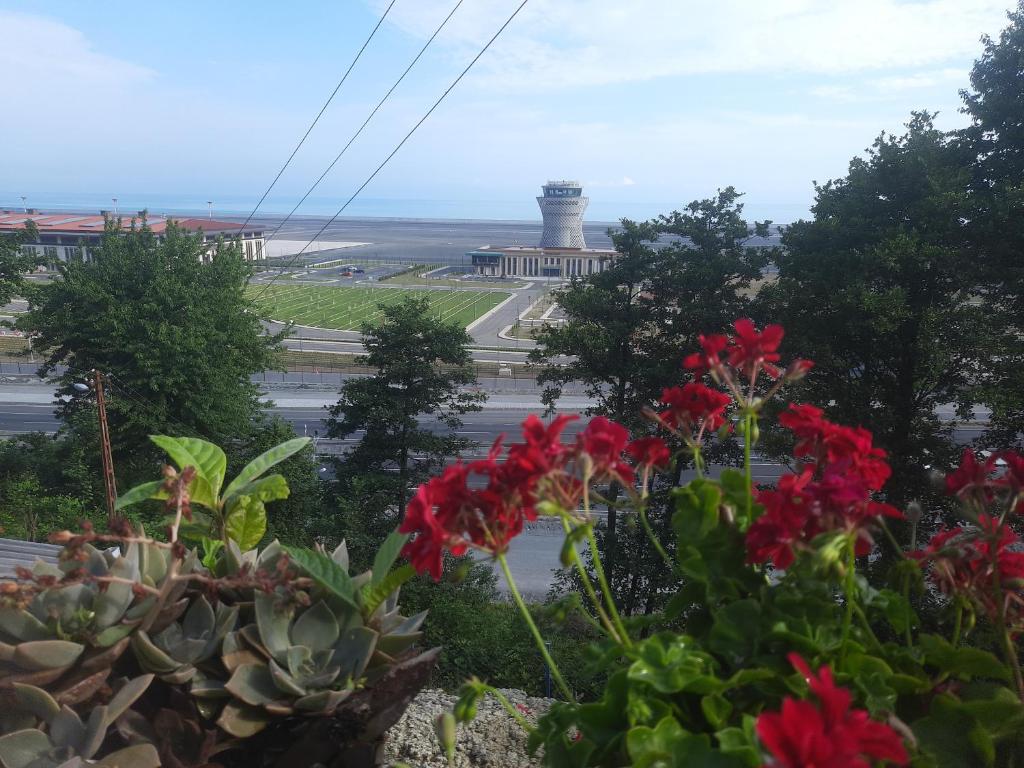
[(444, 727), (913, 513)]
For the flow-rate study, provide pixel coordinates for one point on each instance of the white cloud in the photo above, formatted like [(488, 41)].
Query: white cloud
[(592, 42), (57, 61)]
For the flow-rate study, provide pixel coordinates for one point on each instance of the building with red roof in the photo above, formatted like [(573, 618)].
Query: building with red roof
[(67, 236)]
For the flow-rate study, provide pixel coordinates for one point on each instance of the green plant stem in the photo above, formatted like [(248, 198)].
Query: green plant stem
[(958, 623), (588, 587), (555, 672), (866, 625), (848, 589), (748, 429), (642, 514), (613, 612), (516, 714), (1004, 631)]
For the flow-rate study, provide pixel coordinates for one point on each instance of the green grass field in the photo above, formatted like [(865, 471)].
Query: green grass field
[(346, 309)]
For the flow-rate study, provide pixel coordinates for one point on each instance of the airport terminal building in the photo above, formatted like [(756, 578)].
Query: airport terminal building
[(562, 252), (65, 236)]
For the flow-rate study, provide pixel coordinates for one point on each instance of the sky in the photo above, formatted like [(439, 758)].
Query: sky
[(649, 103)]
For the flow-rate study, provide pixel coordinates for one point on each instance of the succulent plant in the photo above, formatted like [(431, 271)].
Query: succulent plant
[(174, 652), (297, 659), (68, 740), (70, 634)]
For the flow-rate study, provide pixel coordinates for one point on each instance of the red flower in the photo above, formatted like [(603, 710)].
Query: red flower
[(708, 358), (426, 550), (603, 441), (829, 735), (753, 350), (694, 406), (802, 508), (824, 443), (972, 478), (961, 563), (650, 451)]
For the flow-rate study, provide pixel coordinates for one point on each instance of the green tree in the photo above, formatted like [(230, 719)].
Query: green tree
[(676, 277), (877, 289), (995, 138), (422, 369), (15, 262), (173, 331)]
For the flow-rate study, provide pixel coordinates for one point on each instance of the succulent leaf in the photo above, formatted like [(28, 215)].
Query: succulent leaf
[(273, 625), (21, 748), (67, 729), (355, 650), (126, 695), (242, 721), (136, 756), (285, 682), (22, 625), (316, 628), (95, 732), (199, 619), (36, 701), (253, 684), (47, 654)]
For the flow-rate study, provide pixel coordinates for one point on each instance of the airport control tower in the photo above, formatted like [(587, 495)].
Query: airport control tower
[(562, 207)]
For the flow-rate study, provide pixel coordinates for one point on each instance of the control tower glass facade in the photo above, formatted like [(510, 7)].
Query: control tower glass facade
[(562, 206)]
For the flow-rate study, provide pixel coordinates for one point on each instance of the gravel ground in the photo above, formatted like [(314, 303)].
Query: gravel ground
[(492, 740)]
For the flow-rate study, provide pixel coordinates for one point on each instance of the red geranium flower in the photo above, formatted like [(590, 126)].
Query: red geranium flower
[(694, 406), (829, 735), (824, 443), (972, 478), (649, 451), (961, 563), (603, 441), (753, 350), (708, 358)]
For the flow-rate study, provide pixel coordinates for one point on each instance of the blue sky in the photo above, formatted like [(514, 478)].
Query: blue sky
[(651, 103)]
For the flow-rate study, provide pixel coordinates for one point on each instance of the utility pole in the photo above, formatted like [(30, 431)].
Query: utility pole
[(108, 459)]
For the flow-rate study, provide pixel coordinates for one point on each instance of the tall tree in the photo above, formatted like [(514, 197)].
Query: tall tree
[(174, 333), (877, 289), (683, 274), (15, 262), (995, 138), (422, 367)]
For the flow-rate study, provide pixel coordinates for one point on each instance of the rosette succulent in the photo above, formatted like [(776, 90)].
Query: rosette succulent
[(174, 652), (69, 741), (308, 659)]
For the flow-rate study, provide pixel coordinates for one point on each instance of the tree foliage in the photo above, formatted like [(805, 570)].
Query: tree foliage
[(423, 369), (877, 289), (173, 332), (995, 140), (14, 263), (675, 277)]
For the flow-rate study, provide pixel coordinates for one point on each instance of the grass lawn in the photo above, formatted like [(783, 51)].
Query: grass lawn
[(416, 277), (345, 309)]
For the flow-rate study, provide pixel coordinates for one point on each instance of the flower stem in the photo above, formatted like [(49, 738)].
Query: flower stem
[(642, 514), (588, 587), (555, 672), (606, 590), (516, 714), (748, 429), (1009, 648), (848, 588), (958, 625)]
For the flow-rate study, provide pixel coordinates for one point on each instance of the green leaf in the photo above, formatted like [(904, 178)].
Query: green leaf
[(571, 541), (209, 460), (153, 490), (963, 662), (246, 522), (737, 629), (325, 572), (696, 512), (265, 489), (387, 555), (673, 663), (19, 749), (135, 756), (373, 596), (265, 461)]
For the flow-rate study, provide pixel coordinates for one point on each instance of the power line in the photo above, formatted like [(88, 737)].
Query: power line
[(318, 116), (365, 122), (394, 152)]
